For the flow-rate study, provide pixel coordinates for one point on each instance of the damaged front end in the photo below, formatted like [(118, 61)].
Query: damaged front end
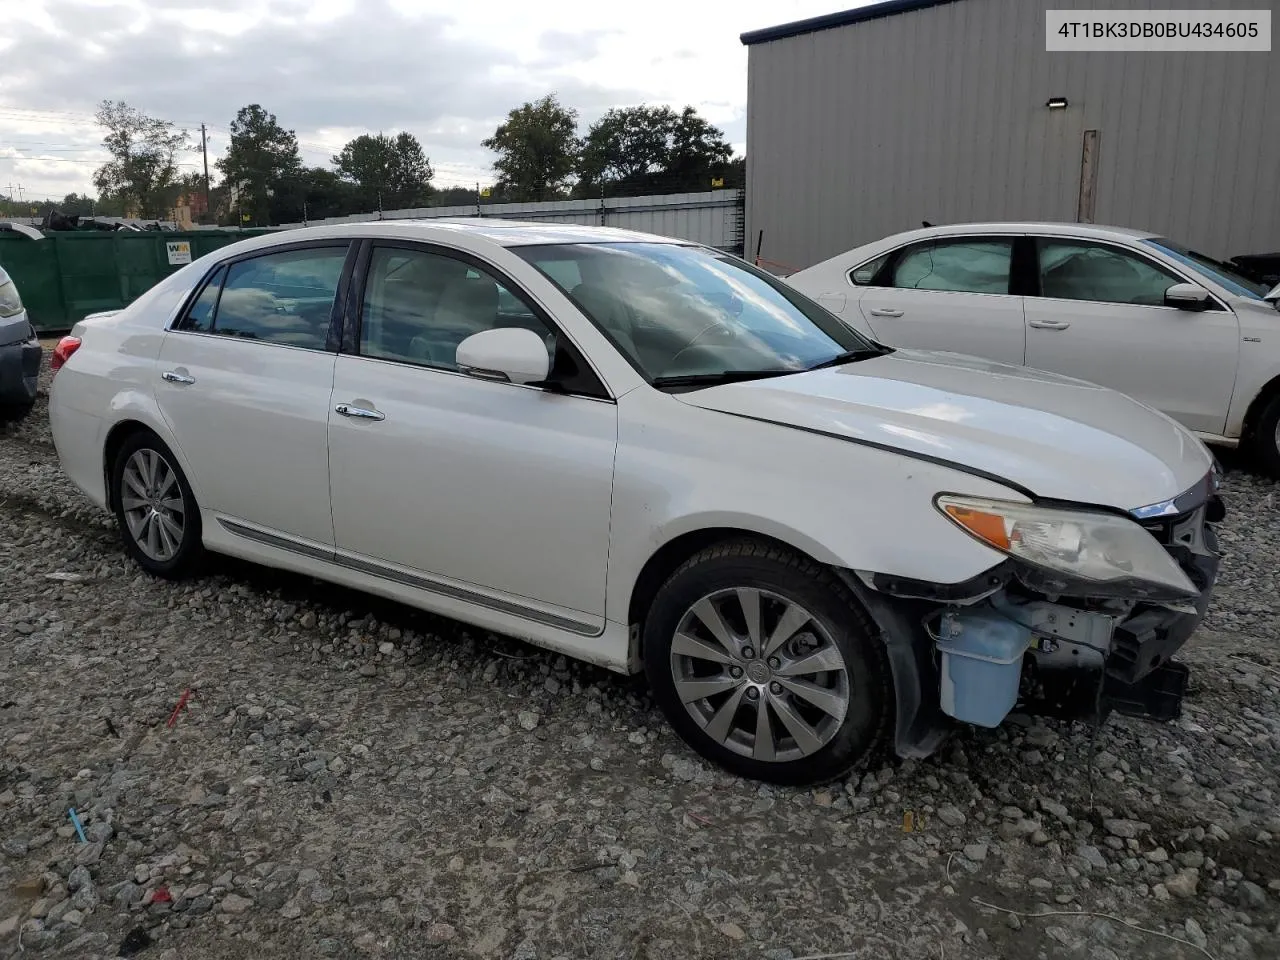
[(1047, 642)]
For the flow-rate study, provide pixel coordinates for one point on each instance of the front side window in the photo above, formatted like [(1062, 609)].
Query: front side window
[(960, 266), (1080, 270), (284, 298), (419, 305), (677, 311)]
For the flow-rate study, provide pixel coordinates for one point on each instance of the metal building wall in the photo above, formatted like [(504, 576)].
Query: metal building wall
[(712, 217), (939, 114)]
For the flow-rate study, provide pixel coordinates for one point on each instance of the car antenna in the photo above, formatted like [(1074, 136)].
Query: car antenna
[(925, 223)]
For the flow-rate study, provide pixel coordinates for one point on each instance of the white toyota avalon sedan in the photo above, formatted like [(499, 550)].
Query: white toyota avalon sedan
[(652, 456)]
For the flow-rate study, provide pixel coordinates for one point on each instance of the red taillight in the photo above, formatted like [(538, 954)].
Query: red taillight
[(62, 352)]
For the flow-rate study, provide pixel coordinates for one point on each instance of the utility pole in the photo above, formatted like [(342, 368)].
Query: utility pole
[(204, 150)]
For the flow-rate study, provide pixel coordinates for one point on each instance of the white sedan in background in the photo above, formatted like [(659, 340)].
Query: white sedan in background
[(650, 455), (1133, 311)]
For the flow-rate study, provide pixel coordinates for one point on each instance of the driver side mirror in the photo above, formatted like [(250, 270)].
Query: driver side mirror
[(1186, 296), (508, 354)]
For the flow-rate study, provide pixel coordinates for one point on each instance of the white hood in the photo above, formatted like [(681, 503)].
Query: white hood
[(1058, 437)]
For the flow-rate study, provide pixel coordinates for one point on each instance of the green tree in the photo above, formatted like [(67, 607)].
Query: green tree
[(537, 150), (648, 149), (315, 193), (75, 205), (626, 144), (454, 197), (698, 151), (390, 172), (261, 160), (143, 165)]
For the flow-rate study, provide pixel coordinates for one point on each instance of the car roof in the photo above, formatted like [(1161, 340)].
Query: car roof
[(1065, 228), (505, 233)]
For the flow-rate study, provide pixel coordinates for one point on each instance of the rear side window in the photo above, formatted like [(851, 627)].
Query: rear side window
[(200, 316), (961, 266), (864, 275), (284, 298)]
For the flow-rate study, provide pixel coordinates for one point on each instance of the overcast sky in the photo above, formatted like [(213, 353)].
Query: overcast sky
[(331, 69)]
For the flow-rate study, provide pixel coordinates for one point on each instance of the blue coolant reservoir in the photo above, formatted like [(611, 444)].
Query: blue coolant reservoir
[(981, 665)]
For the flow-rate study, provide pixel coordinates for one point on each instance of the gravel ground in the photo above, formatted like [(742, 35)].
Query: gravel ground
[(353, 778)]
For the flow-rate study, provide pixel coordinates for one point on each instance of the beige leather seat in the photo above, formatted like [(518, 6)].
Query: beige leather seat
[(465, 307)]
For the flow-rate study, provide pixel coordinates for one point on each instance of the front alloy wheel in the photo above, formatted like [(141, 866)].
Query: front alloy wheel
[(764, 663), (773, 687)]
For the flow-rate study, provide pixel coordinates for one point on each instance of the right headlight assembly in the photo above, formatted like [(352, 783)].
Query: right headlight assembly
[(1099, 552)]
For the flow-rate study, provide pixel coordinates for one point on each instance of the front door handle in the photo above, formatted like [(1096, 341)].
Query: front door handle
[(1048, 324), (363, 413), (886, 312), (173, 376)]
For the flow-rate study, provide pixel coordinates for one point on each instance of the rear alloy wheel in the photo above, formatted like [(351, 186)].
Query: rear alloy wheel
[(763, 663), (158, 517)]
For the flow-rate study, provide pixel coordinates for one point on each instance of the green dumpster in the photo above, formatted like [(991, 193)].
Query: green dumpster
[(69, 274)]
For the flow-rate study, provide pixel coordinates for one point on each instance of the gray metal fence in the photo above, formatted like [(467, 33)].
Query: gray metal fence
[(714, 218)]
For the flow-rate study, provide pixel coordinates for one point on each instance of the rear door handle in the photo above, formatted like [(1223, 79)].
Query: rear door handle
[(173, 376), (886, 312), (362, 413), (1048, 324)]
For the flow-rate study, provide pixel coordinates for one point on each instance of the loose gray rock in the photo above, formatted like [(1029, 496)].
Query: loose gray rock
[(1251, 896), (233, 903), (441, 933), (1184, 883), (78, 878), (1195, 934), (951, 815)]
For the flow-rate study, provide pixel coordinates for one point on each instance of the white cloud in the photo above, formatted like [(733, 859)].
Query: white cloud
[(330, 69)]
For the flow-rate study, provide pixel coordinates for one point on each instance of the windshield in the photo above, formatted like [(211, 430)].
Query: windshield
[(1217, 271), (682, 313)]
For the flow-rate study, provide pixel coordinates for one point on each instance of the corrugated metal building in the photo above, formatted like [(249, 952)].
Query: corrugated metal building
[(864, 123)]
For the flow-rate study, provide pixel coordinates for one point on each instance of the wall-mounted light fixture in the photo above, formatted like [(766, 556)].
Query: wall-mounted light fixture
[(1057, 103)]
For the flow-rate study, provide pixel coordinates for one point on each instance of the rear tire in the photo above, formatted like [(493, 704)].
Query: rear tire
[(155, 508), (745, 626), (1266, 438), (13, 412)]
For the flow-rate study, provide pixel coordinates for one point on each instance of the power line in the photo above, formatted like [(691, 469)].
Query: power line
[(98, 161)]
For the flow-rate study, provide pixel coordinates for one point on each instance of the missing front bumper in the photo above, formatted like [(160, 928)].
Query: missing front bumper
[(1085, 658)]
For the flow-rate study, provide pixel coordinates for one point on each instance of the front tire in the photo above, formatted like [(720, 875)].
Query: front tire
[(1266, 438), (763, 662), (155, 508)]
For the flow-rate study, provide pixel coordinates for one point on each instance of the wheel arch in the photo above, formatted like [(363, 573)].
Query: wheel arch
[(1269, 391), (667, 558), (132, 422)]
